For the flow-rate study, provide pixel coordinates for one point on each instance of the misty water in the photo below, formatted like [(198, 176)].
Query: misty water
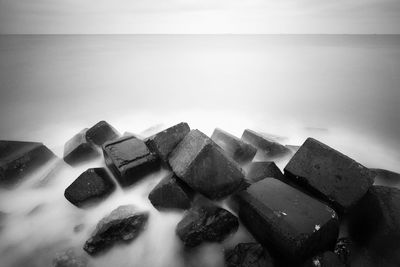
[(341, 89)]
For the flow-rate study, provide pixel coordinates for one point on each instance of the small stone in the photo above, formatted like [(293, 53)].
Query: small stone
[(263, 169), (91, 186), (69, 259), (206, 224), (100, 133), (123, 225), (248, 255), (78, 150), (326, 259)]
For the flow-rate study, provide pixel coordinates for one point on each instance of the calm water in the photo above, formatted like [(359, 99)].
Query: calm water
[(343, 90)]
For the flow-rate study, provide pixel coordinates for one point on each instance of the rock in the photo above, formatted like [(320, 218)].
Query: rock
[(235, 148), (17, 159), (91, 186), (171, 193), (57, 169), (343, 249), (164, 142), (263, 169), (248, 255), (100, 133), (206, 224), (203, 165), (78, 150), (387, 178), (123, 225), (270, 148), (329, 174), (69, 259), (287, 221), (326, 259), (129, 159)]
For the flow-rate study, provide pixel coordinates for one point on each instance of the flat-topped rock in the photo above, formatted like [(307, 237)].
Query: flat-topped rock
[(262, 169), (329, 174), (203, 165), (101, 132), (248, 255), (78, 150), (287, 221), (326, 259), (91, 186), (18, 159), (129, 159)]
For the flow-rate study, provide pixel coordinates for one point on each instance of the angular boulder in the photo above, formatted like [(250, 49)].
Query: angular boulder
[(129, 159), (326, 259), (123, 225), (203, 165), (17, 159), (91, 186), (329, 174), (248, 255), (287, 221), (263, 169), (171, 193), (206, 223), (101, 132), (234, 147), (78, 150)]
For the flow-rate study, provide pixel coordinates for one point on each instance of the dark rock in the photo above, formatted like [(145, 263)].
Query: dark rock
[(69, 259), (203, 165), (100, 133), (248, 255), (206, 224), (287, 221), (387, 178), (329, 174), (171, 193), (263, 169), (17, 159), (343, 249), (123, 225), (129, 159), (326, 259), (234, 147), (78, 150), (92, 185), (270, 148), (163, 143)]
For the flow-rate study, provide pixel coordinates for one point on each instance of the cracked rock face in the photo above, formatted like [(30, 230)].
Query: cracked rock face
[(248, 255)]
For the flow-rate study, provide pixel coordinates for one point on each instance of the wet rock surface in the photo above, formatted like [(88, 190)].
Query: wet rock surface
[(101, 132), (91, 186), (288, 222), (129, 159), (263, 169), (123, 225), (202, 164), (69, 258), (329, 174), (326, 259), (17, 159), (234, 147), (206, 223), (79, 150), (248, 255)]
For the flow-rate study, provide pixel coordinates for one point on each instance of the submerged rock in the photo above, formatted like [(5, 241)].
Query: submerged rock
[(202, 164), (129, 159), (326, 259), (100, 133), (91, 186), (287, 221), (17, 159), (263, 169), (123, 225), (78, 150), (248, 255), (69, 258), (206, 224), (329, 174)]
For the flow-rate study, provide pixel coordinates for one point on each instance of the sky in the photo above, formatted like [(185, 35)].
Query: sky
[(199, 16)]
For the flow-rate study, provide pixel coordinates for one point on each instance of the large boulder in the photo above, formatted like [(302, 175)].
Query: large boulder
[(91, 186), (171, 193), (203, 165), (129, 159), (234, 147), (329, 174), (123, 225), (100, 133), (164, 142), (79, 150), (263, 169), (248, 255), (287, 221), (17, 159), (326, 259), (207, 223)]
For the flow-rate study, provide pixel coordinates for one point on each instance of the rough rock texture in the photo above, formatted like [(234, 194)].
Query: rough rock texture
[(78, 150), (171, 193), (91, 186), (326, 259), (270, 148), (122, 226), (263, 169), (164, 142), (343, 249), (17, 159), (287, 221), (129, 159), (387, 178), (202, 164), (206, 224), (329, 174), (234, 147), (100, 133), (248, 255), (69, 259)]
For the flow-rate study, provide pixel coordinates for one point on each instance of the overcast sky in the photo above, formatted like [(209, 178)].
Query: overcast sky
[(199, 16)]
